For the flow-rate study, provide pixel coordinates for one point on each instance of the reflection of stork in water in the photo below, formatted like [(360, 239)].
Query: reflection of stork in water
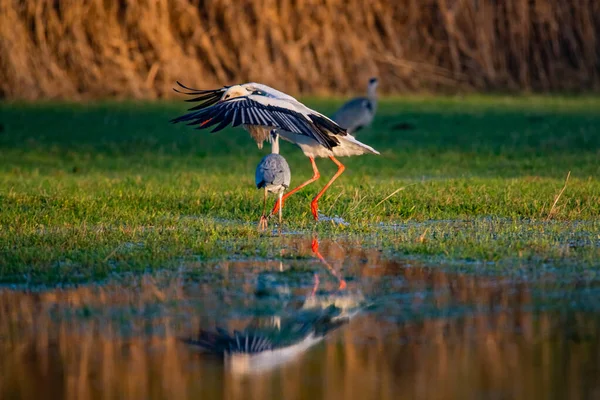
[(315, 250), (271, 341), (268, 342), (274, 340)]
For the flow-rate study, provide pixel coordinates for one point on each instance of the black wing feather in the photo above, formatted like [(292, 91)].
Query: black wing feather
[(209, 97), (279, 120), (221, 341), (224, 122), (199, 98), (210, 121), (265, 117), (193, 92), (328, 124), (237, 118), (245, 116), (212, 101)]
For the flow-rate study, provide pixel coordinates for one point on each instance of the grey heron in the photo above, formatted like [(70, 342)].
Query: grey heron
[(358, 112), (260, 108), (273, 175)]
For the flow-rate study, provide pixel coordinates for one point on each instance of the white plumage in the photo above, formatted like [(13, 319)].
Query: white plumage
[(349, 146)]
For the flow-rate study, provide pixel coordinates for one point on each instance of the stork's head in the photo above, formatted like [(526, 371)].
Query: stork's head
[(235, 91)]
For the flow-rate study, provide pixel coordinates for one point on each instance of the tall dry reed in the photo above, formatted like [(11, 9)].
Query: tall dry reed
[(100, 48)]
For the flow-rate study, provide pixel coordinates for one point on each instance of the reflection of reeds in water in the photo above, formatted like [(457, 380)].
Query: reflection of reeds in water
[(459, 357), (51, 346), (70, 343)]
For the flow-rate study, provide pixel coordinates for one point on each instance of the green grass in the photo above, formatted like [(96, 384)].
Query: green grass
[(91, 189)]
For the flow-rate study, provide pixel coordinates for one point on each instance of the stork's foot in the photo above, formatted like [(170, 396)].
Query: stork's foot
[(262, 224), (342, 284)]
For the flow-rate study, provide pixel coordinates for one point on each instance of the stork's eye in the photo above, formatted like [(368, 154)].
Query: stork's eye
[(227, 96)]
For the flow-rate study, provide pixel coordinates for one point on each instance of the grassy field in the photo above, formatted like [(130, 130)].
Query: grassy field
[(89, 190)]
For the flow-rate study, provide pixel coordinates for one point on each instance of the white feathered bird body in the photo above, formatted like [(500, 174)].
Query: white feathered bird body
[(260, 108)]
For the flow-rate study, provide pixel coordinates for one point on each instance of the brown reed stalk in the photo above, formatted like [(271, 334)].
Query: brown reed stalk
[(99, 49)]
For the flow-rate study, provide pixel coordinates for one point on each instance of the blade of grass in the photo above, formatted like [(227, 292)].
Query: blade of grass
[(558, 197)]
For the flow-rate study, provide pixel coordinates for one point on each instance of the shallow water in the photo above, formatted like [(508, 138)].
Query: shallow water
[(421, 332)]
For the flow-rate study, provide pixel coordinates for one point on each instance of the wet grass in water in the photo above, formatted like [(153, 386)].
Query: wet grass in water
[(90, 190)]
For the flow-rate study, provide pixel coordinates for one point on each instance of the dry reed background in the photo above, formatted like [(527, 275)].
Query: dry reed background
[(100, 48)]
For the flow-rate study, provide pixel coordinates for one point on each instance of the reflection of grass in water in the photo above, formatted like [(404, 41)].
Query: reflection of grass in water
[(89, 191), (49, 348)]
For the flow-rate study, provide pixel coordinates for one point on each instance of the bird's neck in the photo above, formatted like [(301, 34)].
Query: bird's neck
[(275, 145), (372, 92)]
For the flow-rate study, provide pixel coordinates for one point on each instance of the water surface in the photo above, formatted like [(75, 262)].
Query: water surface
[(423, 331)]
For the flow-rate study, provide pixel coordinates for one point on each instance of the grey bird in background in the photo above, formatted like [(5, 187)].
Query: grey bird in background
[(273, 175), (359, 112)]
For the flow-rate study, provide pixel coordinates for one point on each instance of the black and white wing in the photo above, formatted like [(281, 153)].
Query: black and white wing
[(264, 111), (222, 342)]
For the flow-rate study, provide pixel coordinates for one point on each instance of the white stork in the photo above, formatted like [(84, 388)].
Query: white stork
[(260, 108)]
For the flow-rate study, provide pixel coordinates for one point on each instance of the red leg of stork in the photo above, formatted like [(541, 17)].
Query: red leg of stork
[(316, 176), (315, 249), (314, 206)]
